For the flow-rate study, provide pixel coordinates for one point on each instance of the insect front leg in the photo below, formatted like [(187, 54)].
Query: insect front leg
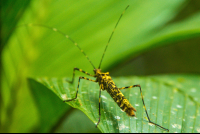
[(144, 105), (78, 87), (80, 71)]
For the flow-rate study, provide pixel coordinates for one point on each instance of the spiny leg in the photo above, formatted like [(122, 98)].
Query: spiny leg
[(78, 87), (144, 105), (99, 105), (80, 71)]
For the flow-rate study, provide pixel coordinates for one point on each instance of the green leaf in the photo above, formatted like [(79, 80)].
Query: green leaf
[(13, 9), (74, 124), (39, 52), (144, 26), (168, 105), (50, 108)]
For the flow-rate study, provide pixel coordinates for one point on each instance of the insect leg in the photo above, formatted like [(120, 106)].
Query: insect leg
[(78, 87), (144, 105), (80, 71), (99, 105)]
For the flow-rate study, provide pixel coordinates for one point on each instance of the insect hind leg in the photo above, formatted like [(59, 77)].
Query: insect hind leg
[(141, 96), (78, 87), (144, 105)]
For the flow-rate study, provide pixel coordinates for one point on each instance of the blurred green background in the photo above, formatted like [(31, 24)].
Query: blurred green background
[(153, 37)]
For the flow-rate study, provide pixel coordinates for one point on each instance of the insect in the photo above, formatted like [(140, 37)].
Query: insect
[(105, 81)]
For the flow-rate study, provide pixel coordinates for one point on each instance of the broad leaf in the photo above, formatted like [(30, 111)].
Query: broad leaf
[(144, 26), (39, 52), (168, 105), (51, 109)]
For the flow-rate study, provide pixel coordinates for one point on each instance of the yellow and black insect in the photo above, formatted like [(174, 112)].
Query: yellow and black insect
[(105, 81)]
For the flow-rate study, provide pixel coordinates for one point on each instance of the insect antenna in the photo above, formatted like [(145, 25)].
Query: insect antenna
[(60, 32), (111, 36)]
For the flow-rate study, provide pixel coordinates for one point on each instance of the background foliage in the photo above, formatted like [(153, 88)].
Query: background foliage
[(153, 37)]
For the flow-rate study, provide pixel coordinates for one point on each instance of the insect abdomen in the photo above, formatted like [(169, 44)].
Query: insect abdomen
[(120, 99)]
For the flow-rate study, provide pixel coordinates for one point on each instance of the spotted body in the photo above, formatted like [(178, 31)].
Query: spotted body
[(106, 83)]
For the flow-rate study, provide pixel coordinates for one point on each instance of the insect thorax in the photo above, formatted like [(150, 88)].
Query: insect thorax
[(102, 78)]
